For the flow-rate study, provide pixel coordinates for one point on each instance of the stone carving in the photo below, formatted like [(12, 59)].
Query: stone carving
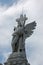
[(21, 32)]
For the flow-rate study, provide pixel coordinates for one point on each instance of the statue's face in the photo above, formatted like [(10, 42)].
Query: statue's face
[(22, 22), (21, 19)]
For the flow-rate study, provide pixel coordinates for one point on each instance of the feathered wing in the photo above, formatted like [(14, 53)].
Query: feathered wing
[(29, 29)]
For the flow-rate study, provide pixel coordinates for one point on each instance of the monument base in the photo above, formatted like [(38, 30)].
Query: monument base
[(17, 58)]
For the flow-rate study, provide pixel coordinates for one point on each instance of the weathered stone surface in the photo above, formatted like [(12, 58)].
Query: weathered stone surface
[(17, 59)]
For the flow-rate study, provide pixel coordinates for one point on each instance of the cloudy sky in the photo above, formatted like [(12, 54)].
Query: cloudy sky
[(9, 11)]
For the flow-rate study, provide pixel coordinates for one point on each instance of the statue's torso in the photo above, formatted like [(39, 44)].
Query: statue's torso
[(19, 31)]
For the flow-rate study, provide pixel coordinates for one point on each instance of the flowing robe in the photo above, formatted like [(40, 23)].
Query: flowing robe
[(18, 40)]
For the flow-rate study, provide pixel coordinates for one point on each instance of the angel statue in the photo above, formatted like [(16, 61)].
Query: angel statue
[(21, 32)]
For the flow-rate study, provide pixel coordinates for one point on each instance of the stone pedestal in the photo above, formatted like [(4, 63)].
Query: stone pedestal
[(17, 58)]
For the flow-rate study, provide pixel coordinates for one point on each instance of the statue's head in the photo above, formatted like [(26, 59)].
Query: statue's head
[(21, 21)]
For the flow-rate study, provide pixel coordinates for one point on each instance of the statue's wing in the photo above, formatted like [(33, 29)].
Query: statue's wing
[(29, 29)]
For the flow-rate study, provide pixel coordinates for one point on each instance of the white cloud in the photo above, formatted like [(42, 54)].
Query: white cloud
[(34, 44)]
